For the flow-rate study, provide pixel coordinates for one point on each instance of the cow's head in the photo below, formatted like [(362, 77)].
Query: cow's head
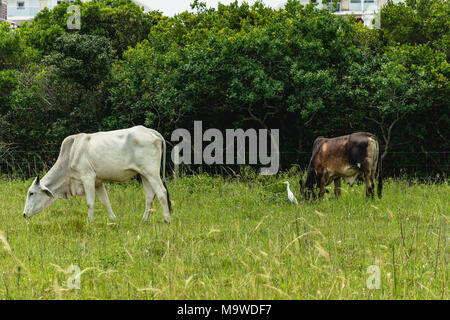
[(39, 197)]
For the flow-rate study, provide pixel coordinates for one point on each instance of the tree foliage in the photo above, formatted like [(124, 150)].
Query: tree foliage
[(300, 69)]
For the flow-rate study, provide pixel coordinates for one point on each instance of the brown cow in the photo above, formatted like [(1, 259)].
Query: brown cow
[(343, 157)]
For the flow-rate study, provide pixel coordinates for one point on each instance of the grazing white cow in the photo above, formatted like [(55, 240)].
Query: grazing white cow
[(86, 161)]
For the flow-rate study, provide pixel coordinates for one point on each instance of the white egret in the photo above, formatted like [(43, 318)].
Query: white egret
[(291, 196), (292, 199)]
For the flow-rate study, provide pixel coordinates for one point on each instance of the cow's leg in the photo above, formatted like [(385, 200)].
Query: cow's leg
[(149, 196), (89, 191), (321, 182), (161, 192), (312, 193), (337, 187), (368, 177), (103, 196)]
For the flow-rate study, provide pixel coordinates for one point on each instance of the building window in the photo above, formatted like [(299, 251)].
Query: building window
[(357, 5), (20, 5), (359, 1), (333, 7)]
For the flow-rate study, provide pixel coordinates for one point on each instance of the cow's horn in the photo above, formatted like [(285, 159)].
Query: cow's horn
[(37, 179)]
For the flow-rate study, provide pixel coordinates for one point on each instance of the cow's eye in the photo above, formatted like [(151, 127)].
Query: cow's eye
[(31, 193)]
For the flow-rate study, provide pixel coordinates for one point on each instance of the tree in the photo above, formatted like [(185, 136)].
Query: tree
[(416, 22), (83, 59), (280, 73), (299, 69), (121, 21), (14, 52)]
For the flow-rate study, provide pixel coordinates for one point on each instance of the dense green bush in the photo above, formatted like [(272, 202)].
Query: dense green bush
[(299, 69)]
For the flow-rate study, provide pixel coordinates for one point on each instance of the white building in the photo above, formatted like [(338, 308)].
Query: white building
[(365, 11), (2, 11), (19, 11)]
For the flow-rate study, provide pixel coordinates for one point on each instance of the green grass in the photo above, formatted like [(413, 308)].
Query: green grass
[(230, 239)]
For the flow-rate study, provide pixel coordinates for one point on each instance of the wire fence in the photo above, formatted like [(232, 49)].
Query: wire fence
[(21, 163)]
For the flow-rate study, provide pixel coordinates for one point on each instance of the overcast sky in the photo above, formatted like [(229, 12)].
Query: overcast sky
[(171, 7)]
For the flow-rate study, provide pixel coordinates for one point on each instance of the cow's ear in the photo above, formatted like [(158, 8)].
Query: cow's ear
[(47, 191)]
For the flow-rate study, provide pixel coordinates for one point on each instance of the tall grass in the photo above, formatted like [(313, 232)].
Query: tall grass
[(230, 239)]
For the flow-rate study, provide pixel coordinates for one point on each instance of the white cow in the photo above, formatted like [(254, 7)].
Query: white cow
[(86, 161)]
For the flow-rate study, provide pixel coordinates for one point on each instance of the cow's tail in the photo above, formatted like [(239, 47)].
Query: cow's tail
[(164, 160), (164, 172), (163, 167), (379, 171)]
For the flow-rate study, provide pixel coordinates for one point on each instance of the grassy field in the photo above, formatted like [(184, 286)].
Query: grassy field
[(230, 239)]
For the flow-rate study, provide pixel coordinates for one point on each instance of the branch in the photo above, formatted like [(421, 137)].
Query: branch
[(257, 119), (387, 139), (440, 134)]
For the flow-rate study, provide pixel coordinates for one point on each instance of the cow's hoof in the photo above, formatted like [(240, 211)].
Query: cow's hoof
[(167, 220)]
